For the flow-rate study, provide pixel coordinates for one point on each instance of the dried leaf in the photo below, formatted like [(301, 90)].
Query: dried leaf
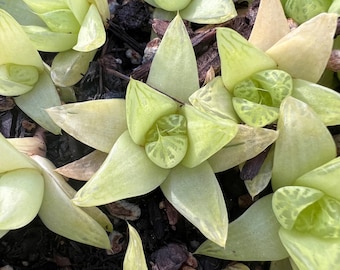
[(84, 168), (124, 210)]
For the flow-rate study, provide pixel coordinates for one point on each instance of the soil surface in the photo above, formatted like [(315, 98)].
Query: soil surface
[(168, 238)]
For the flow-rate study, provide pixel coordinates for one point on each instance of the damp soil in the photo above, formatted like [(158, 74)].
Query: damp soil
[(168, 238)]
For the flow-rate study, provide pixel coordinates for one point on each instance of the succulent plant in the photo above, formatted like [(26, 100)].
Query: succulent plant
[(165, 141)]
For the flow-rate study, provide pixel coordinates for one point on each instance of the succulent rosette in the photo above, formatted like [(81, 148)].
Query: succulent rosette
[(75, 29), (24, 75), (156, 138), (55, 26)]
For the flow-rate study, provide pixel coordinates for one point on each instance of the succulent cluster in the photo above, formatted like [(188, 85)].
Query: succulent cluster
[(176, 136)]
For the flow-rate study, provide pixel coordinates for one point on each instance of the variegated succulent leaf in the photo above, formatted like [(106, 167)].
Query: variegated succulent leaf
[(254, 114), (278, 83), (166, 142)]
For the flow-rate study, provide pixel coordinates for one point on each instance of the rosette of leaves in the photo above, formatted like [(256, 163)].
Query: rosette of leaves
[(301, 11), (75, 29), (24, 75), (30, 187), (259, 80), (253, 72), (197, 11), (62, 25), (155, 138)]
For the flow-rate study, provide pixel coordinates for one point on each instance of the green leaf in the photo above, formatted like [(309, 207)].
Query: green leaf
[(144, 106), (175, 61), (172, 5), (214, 98), (16, 48), (304, 143), (281, 265), (196, 194), (270, 25), (251, 237), (320, 219), (79, 9), (11, 88), (43, 95), (79, 121), (247, 143), (167, 142), (3, 232), (302, 11), (239, 58), (254, 114), (13, 159), (334, 7), (324, 101), (21, 194), (60, 20), (134, 256), (278, 83), (209, 12), (40, 6), (49, 170), (309, 252), (92, 33), (314, 41), (116, 180), (249, 90), (45, 40), (76, 225), (69, 67), (324, 178), (207, 134), (288, 202), (21, 12), (103, 9)]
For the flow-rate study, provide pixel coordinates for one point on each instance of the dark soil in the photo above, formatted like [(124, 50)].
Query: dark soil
[(167, 237)]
